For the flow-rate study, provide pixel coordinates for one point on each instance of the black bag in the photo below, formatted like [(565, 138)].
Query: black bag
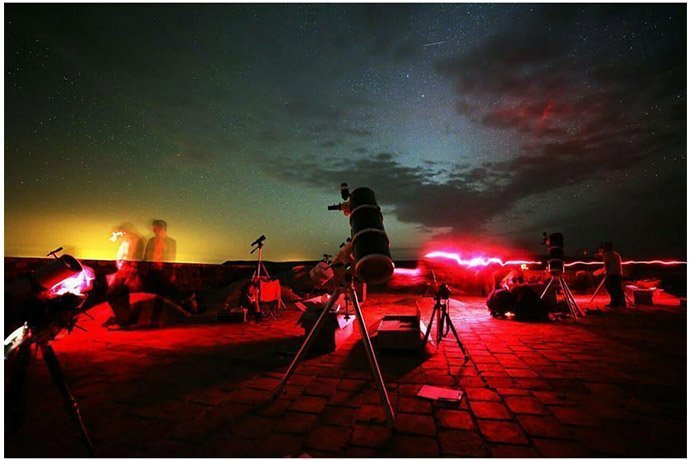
[(499, 302), (527, 304)]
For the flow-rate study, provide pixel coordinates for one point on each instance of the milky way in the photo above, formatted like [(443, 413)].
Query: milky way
[(492, 122)]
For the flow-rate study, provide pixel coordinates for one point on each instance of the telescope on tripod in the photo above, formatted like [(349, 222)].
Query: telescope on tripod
[(555, 265), (372, 264), (42, 312), (440, 312), (261, 268)]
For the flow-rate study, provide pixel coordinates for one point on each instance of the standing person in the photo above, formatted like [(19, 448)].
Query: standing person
[(159, 251), (613, 275), (161, 248)]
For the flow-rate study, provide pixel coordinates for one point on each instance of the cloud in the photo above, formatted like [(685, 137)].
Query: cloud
[(578, 104), (406, 189), (357, 132), (577, 113)]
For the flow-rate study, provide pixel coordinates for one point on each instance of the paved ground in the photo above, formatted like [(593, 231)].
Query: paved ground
[(609, 386)]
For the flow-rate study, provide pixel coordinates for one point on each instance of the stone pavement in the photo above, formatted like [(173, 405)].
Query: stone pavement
[(608, 386)]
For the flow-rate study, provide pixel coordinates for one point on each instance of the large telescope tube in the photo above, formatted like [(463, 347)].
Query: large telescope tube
[(556, 254), (373, 263), (56, 271)]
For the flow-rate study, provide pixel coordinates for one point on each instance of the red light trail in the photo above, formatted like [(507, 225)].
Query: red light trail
[(76, 284), (485, 261), (476, 261), (408, 271), (629, 262)]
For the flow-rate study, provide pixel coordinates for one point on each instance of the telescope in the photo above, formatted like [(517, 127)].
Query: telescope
[(36, 301), (370, 243), (258, 240), (42, 309), (555, 245), (371, 263)]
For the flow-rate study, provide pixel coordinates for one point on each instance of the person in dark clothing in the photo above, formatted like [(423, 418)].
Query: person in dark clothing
[(613, 275), (249, 300)]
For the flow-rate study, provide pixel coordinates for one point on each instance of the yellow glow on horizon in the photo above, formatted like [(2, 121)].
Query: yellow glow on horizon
[(88, 238)]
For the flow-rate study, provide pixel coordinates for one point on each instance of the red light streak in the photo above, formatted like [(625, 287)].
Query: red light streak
[(407, 271), (76, 284), (484, 262), (476, 261), (629, 262)]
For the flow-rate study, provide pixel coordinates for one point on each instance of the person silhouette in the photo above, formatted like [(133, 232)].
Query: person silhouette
[(160, 248), (613, 275)]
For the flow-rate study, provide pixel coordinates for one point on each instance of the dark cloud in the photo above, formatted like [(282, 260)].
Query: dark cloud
[(407, 189), (330, 143), (357, 132), (579, 114), (575, 114)]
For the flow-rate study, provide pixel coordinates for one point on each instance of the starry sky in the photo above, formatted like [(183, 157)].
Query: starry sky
[(477, 124)]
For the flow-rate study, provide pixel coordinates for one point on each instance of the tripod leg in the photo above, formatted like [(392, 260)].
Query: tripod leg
[(629, 299), (429, 326), (570, 302), (308, 341), (266, 272), (455, 334), (440, 324), (597, 291), (551, 280), (573, 299), (378, 380), (15, 395), (71, 405)]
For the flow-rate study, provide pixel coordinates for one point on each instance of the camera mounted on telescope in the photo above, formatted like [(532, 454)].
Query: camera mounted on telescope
[(345, 206), (443, 293)]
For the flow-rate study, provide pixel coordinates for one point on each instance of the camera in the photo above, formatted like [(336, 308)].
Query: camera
[(443, 293)]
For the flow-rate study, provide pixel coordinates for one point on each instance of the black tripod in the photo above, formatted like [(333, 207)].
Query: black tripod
[(348, 290), (15, 394), (557, 280), (444, 323)]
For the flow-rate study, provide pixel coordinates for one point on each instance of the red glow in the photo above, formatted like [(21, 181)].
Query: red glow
[(629, 262), (76, 284), (408, 271), (477, 261)]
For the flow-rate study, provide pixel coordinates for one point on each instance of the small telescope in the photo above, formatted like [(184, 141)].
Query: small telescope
[(258, 240)]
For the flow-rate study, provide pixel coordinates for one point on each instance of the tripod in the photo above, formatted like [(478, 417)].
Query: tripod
[(15, 394), (348, 289), (599, 288), (557, 279), (256, 276), (444, 323)]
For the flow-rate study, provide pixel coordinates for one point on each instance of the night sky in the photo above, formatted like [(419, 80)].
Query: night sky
[(475, 124)]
